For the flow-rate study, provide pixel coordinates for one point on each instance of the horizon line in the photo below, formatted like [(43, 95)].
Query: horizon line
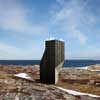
[(40, 59)]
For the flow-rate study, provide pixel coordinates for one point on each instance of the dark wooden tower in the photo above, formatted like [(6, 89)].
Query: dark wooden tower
[(52, 61)]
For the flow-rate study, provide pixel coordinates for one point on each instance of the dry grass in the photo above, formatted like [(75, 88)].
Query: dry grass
[(5, 74)]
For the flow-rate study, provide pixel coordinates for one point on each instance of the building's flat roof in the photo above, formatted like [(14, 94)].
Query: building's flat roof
[(54, 40)]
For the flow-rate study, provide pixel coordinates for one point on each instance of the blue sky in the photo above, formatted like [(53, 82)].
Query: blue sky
[(26, 24)]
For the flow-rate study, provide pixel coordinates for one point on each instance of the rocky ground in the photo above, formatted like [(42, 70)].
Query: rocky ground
[(14, 88), (80, 80)]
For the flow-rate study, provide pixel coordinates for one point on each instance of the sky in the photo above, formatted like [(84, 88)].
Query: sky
[(26, 24)]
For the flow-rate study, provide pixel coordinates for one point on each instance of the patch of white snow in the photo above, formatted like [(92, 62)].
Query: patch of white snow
[(23, 75), (75, 93)]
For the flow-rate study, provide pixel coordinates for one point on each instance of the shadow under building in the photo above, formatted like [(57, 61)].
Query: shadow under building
[(52, 61)]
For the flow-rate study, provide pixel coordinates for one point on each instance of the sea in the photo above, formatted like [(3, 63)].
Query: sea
[(67, 63)]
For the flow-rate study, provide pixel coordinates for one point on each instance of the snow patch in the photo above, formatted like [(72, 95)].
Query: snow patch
[(85, 68), (95, 70), (23, 75), (51, 38), (54, 38), (61, 39), (75, 93)]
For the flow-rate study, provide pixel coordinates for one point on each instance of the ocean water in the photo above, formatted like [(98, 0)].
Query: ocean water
[(68, 63)]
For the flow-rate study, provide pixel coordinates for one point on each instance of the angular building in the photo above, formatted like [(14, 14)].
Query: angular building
[(52, 61)]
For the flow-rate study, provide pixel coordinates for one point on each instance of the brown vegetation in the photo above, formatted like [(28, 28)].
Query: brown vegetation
[(69, 78)]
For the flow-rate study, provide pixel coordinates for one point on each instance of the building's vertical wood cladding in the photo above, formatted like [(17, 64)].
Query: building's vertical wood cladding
[(52, 61)]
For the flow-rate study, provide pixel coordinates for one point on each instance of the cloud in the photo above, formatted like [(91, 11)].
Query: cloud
[(60, 1), (78, 23), (72, 18), (91, 52), (13, 17), (8, 52), (81, 37)]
